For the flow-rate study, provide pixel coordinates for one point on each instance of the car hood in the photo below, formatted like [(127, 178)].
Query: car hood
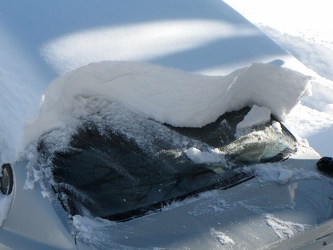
[(283, 200)]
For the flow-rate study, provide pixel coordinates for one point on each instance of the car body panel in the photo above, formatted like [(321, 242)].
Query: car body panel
[(34, 222), (320, 237), (252, 214), (241, 213)]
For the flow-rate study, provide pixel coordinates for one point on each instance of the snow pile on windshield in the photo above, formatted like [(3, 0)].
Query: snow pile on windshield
[(172, 96)]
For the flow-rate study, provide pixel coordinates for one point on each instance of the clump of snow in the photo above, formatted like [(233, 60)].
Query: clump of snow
[(172, 96), (276, 172), (281, 228), (284, 228), (256, 116), (221, 237), (210, 156), (277, 126)]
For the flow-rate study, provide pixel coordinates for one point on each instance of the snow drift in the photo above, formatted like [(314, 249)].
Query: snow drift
[(172, 96)]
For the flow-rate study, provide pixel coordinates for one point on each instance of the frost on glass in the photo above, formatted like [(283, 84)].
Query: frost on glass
[(118, 165), (119, 139)]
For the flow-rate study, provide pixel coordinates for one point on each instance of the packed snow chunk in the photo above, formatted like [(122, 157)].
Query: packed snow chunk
[(277, 126), (210, 156), (172, 96), (275, 172), (256, 116), (221, 237), (282, 228)]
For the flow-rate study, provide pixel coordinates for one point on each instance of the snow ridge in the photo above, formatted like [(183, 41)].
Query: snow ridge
[(172, 96)]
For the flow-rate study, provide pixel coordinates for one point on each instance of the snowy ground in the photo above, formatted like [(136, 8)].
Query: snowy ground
[(304, 29)]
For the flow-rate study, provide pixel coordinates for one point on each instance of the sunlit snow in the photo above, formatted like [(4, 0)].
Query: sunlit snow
[(145, 41), (304, 29), (171, 96)]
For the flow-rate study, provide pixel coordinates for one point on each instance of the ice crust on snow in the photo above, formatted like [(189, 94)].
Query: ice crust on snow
[(171, 96)]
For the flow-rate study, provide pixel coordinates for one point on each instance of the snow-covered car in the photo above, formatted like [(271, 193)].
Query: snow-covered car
[(134, 155), (127, 153)]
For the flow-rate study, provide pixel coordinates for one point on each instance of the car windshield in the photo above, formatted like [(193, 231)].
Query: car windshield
[(124, 165)]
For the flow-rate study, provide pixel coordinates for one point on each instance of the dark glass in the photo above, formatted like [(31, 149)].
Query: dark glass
[(112, 173)]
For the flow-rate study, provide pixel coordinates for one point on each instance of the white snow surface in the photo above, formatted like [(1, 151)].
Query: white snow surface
[(211, 156), (304, 29), (172, 96), (301, 27), (139, 42)]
